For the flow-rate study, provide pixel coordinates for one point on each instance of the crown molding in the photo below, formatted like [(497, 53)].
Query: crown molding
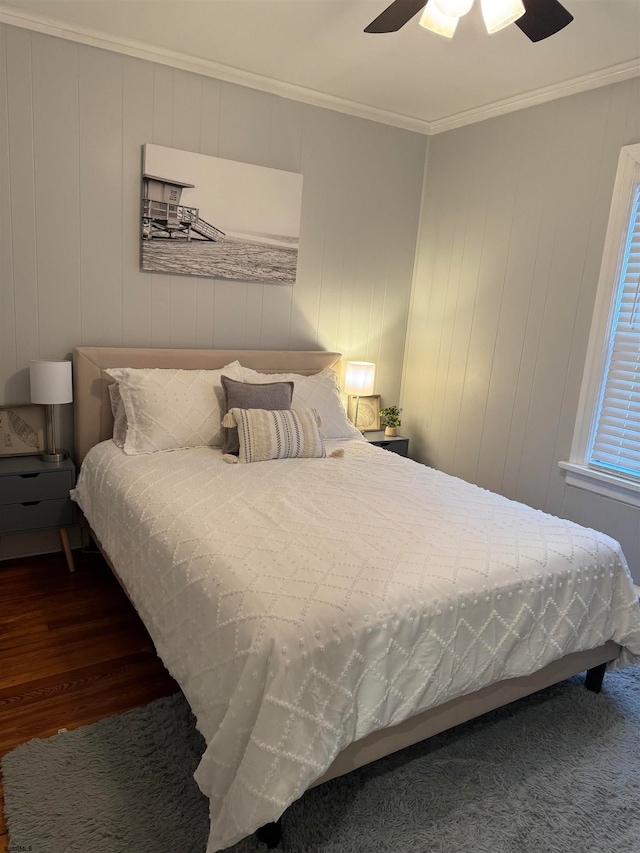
[(141, 50), (593, 80), (227, 73)]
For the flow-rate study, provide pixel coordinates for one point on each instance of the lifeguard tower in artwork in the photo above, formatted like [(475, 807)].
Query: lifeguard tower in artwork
[(163, 215)]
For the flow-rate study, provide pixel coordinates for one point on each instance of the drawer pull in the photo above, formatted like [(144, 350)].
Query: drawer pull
[(29, 476), (385, 443), (30, 503)]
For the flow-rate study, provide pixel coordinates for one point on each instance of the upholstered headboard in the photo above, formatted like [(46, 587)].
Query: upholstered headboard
[(92, 409)]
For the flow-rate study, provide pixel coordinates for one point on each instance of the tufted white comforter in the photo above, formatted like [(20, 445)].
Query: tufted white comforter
[(304, 603)]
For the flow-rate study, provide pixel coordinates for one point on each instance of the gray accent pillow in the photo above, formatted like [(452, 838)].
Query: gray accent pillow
[(272, 396)]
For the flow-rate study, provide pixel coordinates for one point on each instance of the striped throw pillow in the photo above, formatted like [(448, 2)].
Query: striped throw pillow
[(285, 434)]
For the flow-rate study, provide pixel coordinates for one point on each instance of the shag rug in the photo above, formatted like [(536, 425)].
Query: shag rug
[(558, 771)]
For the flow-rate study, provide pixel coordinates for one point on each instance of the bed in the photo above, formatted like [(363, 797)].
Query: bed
[(319, 614)]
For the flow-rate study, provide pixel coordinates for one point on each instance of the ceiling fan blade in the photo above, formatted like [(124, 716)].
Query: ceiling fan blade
[(395, 16), (543, 18)]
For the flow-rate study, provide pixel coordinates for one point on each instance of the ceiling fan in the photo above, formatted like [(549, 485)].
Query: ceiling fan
[(538, 19)]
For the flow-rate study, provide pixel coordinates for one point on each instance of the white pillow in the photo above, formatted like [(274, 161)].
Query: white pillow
[(171, 409), (321, 392), (119, 416)]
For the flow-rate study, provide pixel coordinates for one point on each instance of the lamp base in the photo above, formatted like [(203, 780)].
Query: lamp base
[(54, 456)]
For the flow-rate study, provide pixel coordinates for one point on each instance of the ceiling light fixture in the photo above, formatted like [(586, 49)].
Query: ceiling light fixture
[(454, 8), (442, 16), (436, 21), (539, 20), (498, 14)]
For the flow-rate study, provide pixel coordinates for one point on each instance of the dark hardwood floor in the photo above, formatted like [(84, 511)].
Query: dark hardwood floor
[(72, 650)]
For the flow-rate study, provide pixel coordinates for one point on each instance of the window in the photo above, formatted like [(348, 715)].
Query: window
[(605, 455)]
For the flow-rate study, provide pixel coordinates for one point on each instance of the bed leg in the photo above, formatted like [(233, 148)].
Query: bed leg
[(594, 678), (270, 834)]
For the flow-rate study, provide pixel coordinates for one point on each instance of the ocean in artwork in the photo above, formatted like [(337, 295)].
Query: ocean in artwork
[(266, 258)]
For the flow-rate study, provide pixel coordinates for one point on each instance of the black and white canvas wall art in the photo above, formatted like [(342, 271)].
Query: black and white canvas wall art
[(208, 216)]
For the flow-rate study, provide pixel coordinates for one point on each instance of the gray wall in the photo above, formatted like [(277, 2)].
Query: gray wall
[(515, 211), (512, 232), (72, 122)]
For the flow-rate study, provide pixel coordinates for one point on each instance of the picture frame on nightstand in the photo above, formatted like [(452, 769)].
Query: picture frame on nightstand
[(368, 411), (22, 430)]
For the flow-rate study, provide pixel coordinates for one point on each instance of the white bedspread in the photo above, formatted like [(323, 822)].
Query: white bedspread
[(304, 603)]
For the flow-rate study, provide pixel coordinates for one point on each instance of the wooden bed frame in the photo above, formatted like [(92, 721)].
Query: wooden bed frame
[(94, 423)]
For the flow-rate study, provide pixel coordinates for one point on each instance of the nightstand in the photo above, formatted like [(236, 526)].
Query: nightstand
[(394, 443), (34, 495)]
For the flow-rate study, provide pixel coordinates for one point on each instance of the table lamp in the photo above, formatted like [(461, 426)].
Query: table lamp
[(51, 386), (358, 382)]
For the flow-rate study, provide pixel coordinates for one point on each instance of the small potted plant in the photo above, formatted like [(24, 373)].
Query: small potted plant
[(390, 419)]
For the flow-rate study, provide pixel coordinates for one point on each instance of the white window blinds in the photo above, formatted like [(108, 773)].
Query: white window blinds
[(616, 441)]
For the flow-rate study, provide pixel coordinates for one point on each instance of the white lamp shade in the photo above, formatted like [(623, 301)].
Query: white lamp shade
[(359, 378), (453, 8), (498, 14), (433, 19), (51, 382)]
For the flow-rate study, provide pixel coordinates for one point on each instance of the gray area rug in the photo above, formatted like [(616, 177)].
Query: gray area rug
[(558, 771)]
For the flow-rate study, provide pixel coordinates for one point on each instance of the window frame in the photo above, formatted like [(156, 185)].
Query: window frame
[(578, 471)]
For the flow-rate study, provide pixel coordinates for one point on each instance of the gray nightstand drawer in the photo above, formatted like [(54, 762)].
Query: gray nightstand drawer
[(395, 443), (38, 515), (400, 446), (45, 486)]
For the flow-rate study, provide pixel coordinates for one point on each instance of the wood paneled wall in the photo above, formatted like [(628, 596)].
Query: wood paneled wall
[(72, 130), (514, 218), (72, 122)]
